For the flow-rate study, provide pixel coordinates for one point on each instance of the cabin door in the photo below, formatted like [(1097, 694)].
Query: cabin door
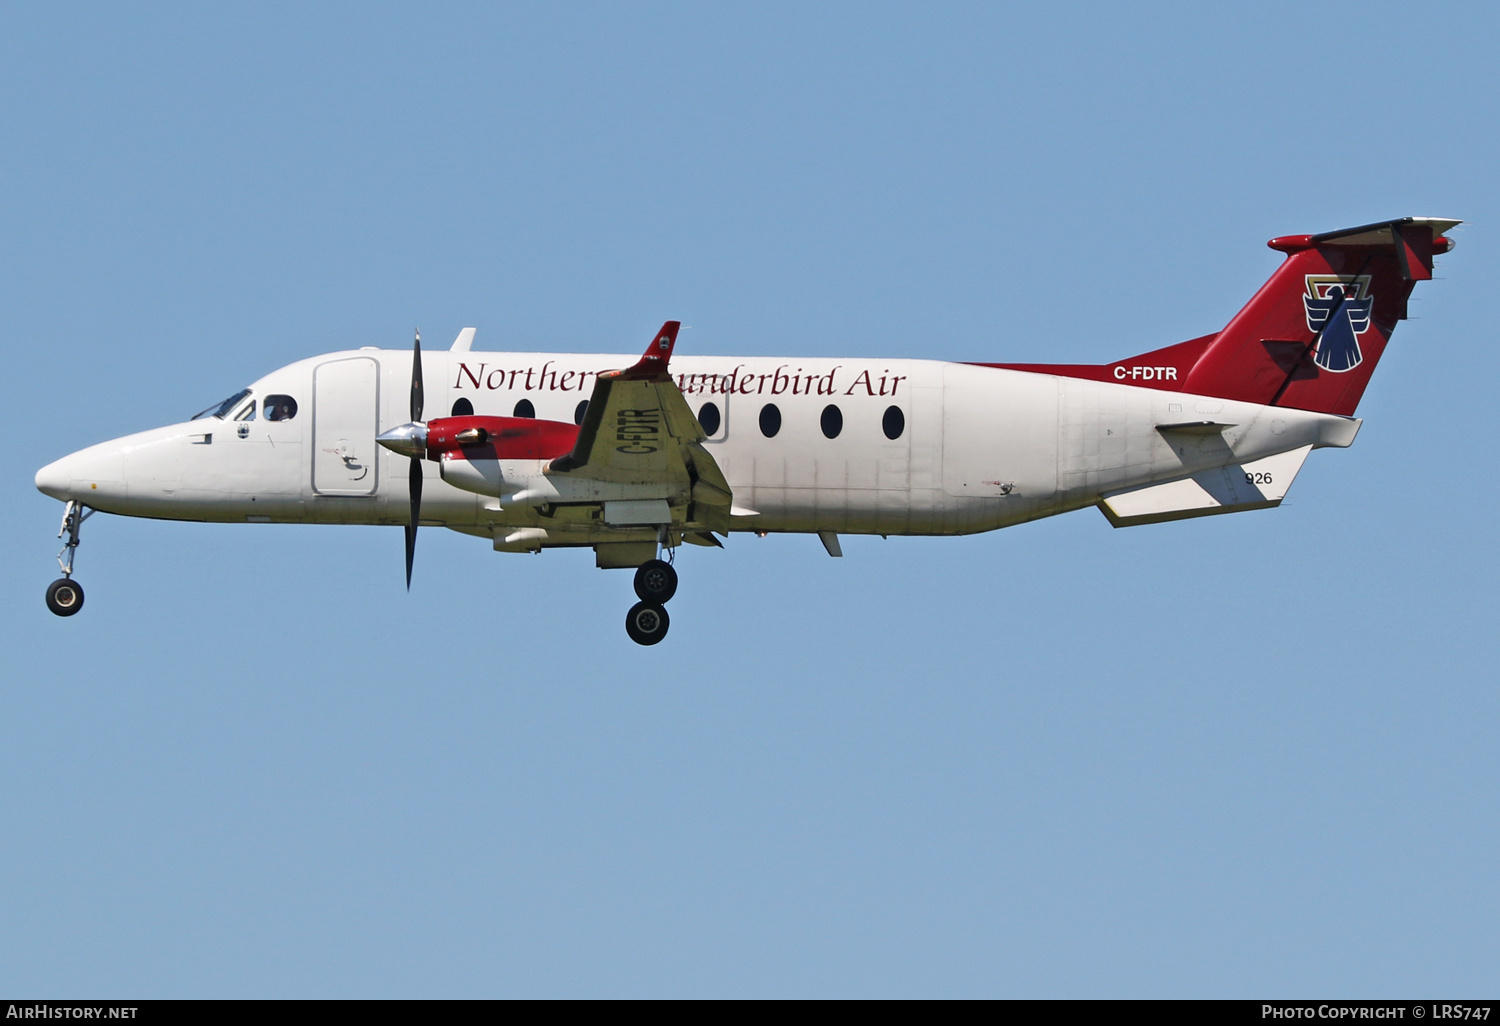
[(346, 397)]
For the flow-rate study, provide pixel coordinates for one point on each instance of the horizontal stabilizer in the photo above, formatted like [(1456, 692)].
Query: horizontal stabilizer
[(1384, 233), (1196, 427), (1261, 484)]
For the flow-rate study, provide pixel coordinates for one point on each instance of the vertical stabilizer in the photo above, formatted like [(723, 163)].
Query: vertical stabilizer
[(1310, 338)]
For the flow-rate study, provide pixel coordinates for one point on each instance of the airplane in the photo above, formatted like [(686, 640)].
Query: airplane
[(536, 451)]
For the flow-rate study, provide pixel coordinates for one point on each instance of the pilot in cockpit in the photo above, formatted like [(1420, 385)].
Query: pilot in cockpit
[(280, 407)]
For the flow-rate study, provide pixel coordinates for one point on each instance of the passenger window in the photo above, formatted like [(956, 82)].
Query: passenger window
[(525, 409), (462, 407), (248, 413), (832, 421), (894, 422), (770, 420), (708, 419), (280, 407), (578, 414)]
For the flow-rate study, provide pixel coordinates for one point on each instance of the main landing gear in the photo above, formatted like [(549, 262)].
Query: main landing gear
[(655, 583), (65, 595)]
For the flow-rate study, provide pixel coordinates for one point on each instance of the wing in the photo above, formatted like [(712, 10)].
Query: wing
[(639, 430)]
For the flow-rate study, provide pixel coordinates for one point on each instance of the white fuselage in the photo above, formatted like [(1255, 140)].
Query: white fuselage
[(977, 448)]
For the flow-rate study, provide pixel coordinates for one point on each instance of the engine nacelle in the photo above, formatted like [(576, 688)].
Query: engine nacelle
[(493, 455), (499, 438), (497, 478)]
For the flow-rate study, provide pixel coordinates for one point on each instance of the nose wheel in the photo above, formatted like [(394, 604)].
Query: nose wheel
[(655, 584), (65, 595)]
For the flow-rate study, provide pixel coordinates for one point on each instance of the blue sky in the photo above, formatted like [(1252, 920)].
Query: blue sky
[(1248, 755)]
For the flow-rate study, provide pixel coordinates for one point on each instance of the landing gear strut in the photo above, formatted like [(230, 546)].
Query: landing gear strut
[(65, 595), (655, 584)]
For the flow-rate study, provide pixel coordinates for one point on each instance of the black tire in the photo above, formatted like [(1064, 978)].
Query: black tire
[(655, 581), (647, 623), (64, 596)]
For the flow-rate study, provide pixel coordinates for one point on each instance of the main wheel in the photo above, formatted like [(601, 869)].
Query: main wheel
[(647, 623), (64, 596), (655, 581)]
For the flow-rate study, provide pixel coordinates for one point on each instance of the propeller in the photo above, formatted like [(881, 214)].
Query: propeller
[(414, 473), (411, 440)]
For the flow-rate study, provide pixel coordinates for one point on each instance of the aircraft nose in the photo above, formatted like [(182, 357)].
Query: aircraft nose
[(56, 480)]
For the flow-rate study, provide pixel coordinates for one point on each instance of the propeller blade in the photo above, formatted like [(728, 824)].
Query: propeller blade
[(411, 438), (416, 378), (414, 486)]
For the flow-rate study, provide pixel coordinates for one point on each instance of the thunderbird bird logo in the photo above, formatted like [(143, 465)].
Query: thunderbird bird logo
[(1338, 312)]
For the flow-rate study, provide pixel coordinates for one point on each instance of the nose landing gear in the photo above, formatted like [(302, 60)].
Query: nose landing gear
[(65, 595)]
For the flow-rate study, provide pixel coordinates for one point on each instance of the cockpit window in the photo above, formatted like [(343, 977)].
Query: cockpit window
[(220, 409), (248, 413), (280, 407)]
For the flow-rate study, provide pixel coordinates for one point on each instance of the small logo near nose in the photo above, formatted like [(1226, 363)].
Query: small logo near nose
[(244, 430)]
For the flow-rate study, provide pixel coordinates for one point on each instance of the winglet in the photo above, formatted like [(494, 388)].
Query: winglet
[(653, 363)]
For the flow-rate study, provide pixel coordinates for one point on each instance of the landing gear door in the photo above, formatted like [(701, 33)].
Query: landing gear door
[(346, 400)]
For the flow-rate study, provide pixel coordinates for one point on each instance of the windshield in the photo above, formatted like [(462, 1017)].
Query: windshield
[(219, 409)]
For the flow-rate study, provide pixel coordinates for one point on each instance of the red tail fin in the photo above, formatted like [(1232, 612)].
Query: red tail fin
[(1310, 338)]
